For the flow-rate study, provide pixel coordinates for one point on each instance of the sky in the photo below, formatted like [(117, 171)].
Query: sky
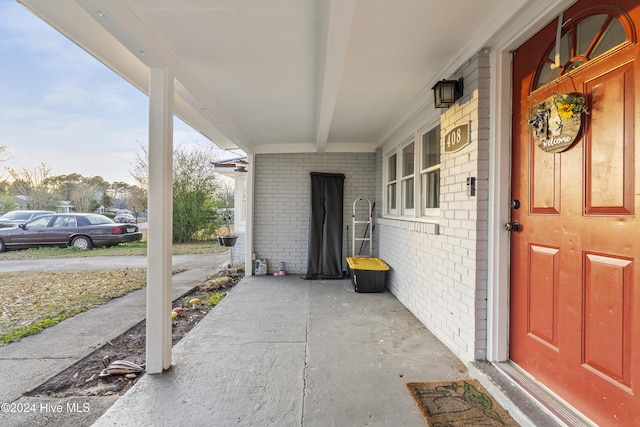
[(62, 107)]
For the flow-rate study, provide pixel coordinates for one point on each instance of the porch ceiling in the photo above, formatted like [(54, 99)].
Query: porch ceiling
[(286, 75)]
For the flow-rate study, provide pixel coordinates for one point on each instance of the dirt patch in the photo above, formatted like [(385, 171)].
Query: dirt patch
[(79, 391)]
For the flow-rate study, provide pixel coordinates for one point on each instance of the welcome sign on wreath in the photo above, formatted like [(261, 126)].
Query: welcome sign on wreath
[(556, 121)]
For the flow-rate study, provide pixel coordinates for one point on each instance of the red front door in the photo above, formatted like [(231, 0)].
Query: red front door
[(575, 292)]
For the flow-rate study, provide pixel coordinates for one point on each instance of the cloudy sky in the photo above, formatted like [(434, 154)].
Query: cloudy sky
[(60, 106)]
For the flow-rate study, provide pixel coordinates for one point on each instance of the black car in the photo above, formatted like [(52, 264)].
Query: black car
[(82, 231), (13, 218)]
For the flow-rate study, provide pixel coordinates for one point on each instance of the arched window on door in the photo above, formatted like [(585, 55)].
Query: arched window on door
[(582, 40)]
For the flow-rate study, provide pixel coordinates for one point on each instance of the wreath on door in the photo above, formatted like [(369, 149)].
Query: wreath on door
[(556, 121)]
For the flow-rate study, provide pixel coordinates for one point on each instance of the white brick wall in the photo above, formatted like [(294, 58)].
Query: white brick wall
[(282, 191), (237, 252), (438, 271)]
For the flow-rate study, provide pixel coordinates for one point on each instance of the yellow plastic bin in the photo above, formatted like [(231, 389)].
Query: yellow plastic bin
[(368, 274)]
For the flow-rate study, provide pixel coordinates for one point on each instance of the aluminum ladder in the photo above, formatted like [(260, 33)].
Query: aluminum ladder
[(367, 229)]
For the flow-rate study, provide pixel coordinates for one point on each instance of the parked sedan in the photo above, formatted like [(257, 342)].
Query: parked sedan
[(13, 218), (125, 218), (82, 231)]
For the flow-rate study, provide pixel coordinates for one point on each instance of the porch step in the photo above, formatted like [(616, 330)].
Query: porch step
[(528, 402)]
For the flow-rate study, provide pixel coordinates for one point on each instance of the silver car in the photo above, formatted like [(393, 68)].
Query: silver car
[(13, 218)]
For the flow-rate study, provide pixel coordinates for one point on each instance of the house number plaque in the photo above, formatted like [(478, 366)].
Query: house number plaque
[(457, 138)]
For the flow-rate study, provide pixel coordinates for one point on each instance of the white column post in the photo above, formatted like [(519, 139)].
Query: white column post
[(248, 232), (499, 197), (160, 233)]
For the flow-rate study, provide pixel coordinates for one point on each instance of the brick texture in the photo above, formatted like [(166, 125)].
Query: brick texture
[(282, 202), (439, 270)]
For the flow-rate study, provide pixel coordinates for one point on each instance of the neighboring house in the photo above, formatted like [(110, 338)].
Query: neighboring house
[(61, 207), (64, 207), (23, 203), (237, 170), (509, 240)]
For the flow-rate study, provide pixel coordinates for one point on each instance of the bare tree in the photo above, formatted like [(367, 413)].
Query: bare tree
[(3, 156), (140, 171), (195, 187), (118, 191), (83, 197), (226, 191), (137, 199), (34, 185)]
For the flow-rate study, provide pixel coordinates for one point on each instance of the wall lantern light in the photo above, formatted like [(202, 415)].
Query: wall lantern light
[(447, 92), (241, 166)]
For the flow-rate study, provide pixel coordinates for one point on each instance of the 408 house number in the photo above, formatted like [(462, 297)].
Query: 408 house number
[(457, 138)]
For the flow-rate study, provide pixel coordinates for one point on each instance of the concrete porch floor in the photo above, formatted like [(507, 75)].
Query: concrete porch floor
[(289, 352)]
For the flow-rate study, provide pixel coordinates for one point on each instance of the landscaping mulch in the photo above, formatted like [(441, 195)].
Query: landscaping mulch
[(82, 378)]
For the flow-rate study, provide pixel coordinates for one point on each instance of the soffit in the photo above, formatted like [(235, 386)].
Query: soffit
[(286, 75)]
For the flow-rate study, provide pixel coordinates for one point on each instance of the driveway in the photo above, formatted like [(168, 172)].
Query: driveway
[(187, 262)]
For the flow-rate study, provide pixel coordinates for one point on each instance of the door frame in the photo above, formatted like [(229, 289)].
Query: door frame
[(533, 17)]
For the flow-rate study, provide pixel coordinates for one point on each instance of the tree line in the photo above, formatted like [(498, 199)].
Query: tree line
[(38, 188), (199, 194)]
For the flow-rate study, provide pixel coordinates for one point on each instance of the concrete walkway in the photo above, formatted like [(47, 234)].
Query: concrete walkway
[(33, 360), (277, 351), (283, 351)]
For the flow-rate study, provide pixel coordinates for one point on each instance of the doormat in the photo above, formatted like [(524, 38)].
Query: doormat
[(458, 403)]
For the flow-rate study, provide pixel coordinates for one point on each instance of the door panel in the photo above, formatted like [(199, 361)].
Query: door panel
[(607, 339), (545, 175), (609, 143), (543, 294), (575, 300), (30, 236), (61, 229)]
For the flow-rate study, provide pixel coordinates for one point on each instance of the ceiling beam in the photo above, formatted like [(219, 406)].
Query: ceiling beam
[(335, 35)]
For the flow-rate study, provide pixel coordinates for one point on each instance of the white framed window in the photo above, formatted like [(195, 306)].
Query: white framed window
[(430, 172), (407, 181), (412, 176), (392, 179)]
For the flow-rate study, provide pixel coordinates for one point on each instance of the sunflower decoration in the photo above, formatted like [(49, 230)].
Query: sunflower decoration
[(569, 105), (556, 121), (565, 110)]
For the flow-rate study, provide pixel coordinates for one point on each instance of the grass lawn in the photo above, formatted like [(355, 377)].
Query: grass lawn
[(32, 301), (124, 249)]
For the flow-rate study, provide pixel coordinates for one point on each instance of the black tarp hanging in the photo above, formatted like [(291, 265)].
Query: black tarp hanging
[(325, 226)]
